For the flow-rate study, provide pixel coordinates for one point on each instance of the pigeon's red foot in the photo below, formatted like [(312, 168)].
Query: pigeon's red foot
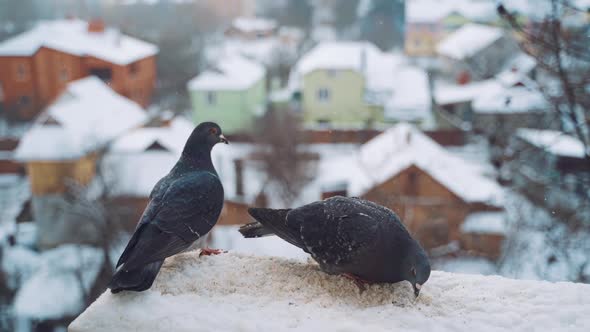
[(359, 282), (209, 252)]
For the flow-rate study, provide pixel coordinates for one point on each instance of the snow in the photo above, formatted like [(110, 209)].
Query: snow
[(468, 41), (228, 238), (87, 115), (232, 72), (411, 100), (402, 146), (555, 142), (467, 265), (446, 93), (517, 99), (232, 292), (516, 69), (18, 264), (56, 279), (485, 223), (72, 37), (253, 24), (433, 11), (172, 137)]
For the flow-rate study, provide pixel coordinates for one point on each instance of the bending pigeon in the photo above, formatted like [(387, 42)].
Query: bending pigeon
[(360, 239), (184, 206)]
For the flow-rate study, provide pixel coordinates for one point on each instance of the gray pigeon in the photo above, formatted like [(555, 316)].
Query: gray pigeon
[(351, 236), (184, 206)]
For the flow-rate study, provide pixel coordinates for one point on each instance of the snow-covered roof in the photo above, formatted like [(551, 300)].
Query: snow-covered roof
[(555, 142), (485, 223), (57, 278), (233, 72), (378, 68), (468, 41), (72, 37), (404, 145), (172, 137), (432, 11), (276, 294), (446, 93), (87, 115), (518, 99), (253, 24), (132, 169), (517, 69), (410, 100)]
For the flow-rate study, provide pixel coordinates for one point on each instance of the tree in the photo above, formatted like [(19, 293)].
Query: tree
[(285, 162), (562, 53)]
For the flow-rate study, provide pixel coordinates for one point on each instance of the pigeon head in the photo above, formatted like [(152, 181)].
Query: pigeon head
[(416, 268), (204, 137)]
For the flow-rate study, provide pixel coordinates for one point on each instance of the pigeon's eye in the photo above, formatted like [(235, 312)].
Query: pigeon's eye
[(213, 131), (413, 270)]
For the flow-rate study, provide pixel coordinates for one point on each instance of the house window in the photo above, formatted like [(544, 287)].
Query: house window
[(323, 94), (105, 74), (134, 69), (64, 75), (24, 100), (21, 72), (332, 73), (211, 98)]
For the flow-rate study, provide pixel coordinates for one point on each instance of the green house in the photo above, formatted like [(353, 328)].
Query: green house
[(231, 93)]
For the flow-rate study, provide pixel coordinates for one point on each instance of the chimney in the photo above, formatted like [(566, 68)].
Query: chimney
[(96, 25), (239, 169), (363, 60)]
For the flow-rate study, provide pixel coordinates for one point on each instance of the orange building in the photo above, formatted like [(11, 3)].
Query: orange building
[(36, 65)]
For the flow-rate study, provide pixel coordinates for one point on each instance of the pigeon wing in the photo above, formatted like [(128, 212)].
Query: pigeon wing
[(334, 237), (186, 211)]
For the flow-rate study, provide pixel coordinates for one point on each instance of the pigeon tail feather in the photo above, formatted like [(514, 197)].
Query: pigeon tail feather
[(254, 229), (136, 280), (274, 221)]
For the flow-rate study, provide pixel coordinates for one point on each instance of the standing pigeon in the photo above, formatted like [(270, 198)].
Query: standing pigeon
[(184, 206), (360, 239)]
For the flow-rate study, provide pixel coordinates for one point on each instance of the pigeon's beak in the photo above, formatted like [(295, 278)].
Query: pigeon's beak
[(222, 139), (417, 289)]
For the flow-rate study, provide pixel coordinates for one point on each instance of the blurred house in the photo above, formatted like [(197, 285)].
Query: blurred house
[(429, 21), (475, 52), (455, 101), (37, 65), (258, 39), (354, 84), (63, 146), (251, 28), (498, 114), (231, 92), (551, 168), (433, 191)]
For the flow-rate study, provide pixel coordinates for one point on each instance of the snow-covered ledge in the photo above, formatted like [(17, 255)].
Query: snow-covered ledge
[(232, 292)]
